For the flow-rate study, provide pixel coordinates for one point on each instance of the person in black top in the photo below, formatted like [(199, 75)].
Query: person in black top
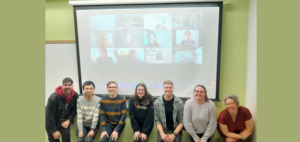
[(60, 111), (141, 113)]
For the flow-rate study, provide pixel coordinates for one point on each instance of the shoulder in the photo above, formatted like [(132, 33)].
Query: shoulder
[(177, 99), (244, 110), (80, 98), (76, 94), (96, 98), (53, 97), (158, 100), (223, 113), (188, 102), (211, 103), (120, 97), (131, 100)]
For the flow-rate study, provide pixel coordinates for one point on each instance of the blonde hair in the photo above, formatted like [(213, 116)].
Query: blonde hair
[(168, 82)]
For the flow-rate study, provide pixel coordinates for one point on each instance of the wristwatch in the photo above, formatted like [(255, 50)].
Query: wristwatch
[(243, 137), (175, 134)]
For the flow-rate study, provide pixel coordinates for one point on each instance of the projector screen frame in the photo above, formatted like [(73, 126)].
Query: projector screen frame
[(219, 4)]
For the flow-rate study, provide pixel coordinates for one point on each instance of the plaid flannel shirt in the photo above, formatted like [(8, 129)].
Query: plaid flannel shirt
[(160, 115)]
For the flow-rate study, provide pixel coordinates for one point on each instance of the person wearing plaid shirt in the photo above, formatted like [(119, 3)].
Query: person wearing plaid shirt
[(168, 115)]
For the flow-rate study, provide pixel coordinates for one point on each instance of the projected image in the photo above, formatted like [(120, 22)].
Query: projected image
[(187, 38), (130, 55), (161, 21), (129, 39), (103, 55), (188, 21), (150, 43), (102, 39), (158, 55), (102, 23), (158, 39), (130, 22), (198, 55), (187, 55)]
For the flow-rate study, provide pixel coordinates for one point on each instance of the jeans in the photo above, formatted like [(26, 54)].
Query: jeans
[(200, 135), (177, 138), (86, 130), (64, 133), (109, 129)]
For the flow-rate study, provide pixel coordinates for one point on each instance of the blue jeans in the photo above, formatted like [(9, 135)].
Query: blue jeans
[(109, 129), (86, 130)]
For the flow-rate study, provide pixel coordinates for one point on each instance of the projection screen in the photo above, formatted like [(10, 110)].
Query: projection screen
[(150, 44)]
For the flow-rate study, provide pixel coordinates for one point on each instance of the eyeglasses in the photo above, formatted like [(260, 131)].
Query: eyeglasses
[(140, 90), (111, 87), (199, 91)]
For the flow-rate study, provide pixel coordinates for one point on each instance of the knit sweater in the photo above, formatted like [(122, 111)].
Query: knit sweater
[(87, 112), (113, 111), (199, 119)]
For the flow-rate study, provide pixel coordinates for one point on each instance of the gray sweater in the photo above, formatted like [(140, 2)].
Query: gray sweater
[(199, 119), (87, 112)]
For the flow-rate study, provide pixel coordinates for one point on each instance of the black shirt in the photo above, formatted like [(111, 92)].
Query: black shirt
[(169, 113)]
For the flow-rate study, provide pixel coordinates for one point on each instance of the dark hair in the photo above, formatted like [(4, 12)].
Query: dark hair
[(206, 98), (112, 82), (151, 33), (87, 83), (187, 32), (67, 79), (147, 97)]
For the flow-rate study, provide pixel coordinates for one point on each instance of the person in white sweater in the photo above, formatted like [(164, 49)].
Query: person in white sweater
[(88, 113), (200, 117)]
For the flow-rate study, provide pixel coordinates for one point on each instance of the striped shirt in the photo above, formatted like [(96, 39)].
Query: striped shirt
[(87, 112), (113, 111)]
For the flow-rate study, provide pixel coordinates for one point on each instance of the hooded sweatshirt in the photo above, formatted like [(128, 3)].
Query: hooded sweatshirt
[(60, 92)]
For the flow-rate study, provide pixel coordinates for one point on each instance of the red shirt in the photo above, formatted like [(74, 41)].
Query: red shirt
[(239, 124)]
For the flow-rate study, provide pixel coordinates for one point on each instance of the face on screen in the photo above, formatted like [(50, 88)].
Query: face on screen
[(152, 38), (112, 89), (168, 89)]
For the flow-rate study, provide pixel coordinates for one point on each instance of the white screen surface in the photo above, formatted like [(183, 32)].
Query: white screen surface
[(149, 44)]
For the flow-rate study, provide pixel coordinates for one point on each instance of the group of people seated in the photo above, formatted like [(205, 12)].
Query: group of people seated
[(170, 115)]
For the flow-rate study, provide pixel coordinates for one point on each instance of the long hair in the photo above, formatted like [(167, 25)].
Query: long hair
[(146, 99), (206, 98)]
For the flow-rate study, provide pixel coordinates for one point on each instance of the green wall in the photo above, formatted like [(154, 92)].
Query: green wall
[(60, 26)]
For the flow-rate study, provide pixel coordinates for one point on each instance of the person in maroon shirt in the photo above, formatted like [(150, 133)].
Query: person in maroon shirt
[(235, 123)]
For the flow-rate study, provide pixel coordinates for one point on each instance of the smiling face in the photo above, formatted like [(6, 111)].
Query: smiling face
[(67, 88), (231, 106), (168, 89), (112, 89), (89, 90), (140, 91), (199, 93)]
